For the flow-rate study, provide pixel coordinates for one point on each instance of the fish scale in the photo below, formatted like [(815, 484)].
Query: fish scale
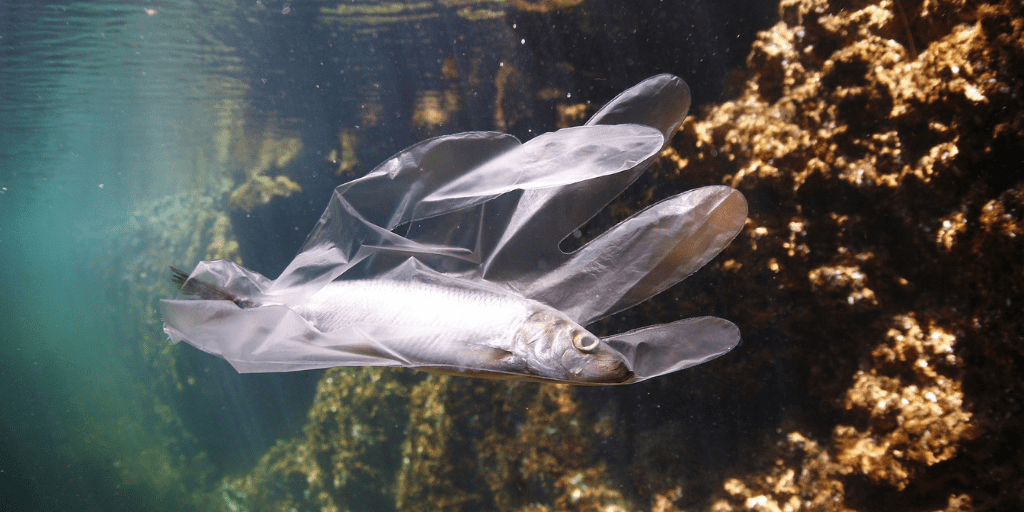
[(342, 303)]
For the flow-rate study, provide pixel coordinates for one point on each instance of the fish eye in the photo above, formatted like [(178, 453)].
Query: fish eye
[(584, 341)]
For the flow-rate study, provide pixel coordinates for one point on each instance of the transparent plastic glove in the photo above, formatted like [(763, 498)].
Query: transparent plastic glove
[(451, 173), (478, 285)]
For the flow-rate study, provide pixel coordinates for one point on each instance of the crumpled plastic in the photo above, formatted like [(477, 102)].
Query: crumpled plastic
[(484, 210)]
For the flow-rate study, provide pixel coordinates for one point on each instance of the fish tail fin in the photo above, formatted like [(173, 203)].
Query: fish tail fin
[(204, 290)]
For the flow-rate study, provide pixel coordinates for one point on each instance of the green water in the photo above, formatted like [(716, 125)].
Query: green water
[(105, 108)]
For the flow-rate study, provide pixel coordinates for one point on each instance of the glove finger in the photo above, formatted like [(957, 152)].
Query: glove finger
[(643, 255), (660, 349)]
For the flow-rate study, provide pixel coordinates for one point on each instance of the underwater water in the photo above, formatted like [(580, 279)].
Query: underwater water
[(878, 144), (105, 107)]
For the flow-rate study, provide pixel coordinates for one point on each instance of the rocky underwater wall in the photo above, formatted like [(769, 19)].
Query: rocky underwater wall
[(880, 146)]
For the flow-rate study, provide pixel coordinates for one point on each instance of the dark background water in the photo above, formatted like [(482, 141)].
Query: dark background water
[(109, 108)]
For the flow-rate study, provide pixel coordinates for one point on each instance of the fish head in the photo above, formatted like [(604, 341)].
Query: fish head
[(555, 347)]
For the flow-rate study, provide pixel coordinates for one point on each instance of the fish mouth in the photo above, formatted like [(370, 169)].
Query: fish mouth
[(605, 371), (620, 374)]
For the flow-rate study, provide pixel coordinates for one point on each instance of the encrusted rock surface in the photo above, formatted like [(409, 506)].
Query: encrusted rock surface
[(884, 246)]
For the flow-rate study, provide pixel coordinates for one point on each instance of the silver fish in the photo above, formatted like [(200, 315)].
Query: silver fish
[(456, 330), (478, 286), (471, 331)]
